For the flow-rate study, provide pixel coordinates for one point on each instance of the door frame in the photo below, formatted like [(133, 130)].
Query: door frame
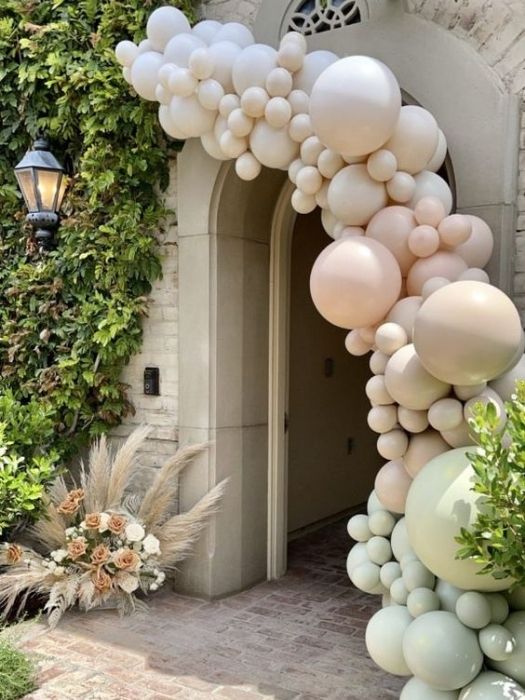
[(280, 262)]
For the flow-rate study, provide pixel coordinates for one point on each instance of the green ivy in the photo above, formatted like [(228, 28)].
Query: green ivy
[(70, 321)]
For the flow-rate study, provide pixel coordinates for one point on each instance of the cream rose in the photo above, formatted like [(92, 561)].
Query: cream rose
[(134, 532), (151, 545)]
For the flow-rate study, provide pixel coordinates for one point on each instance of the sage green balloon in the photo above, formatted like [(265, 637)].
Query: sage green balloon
[(493, 686), (384, 638), (416, 575), (448, 595), (399, 592), (441, 651), (473, 610), (514, 666), (499, 607), (421, 601), (497, 642), (416, 689)]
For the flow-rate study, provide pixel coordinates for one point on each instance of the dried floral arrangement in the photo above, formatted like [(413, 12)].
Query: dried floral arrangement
[(96, 543)]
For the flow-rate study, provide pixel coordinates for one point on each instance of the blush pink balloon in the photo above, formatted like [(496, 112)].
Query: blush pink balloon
[(442, 264), (477, 249), (404, 313), (455, 230), (430, 211), (354, 282), (392, 226), (422, 448), (423, 241), (392, 484)]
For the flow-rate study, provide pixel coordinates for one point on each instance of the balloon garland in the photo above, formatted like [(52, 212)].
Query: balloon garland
[(405, 276)]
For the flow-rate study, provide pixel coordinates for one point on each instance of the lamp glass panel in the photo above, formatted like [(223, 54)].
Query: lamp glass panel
[(61, 192), (27, 187), (48, 183)]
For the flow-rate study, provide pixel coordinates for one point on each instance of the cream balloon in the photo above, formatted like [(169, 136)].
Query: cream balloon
[(279, 83), (382, 165), (163, 24), (467, 332), (392, 483), (210, 93), (212, 147), (354, 197), (227, 104), (313, 65), (278, 112), (458, 437), (429, 211), (440, 502), (409, 383), (162, 95), (455, 230), (487, 396), (441, 651), (398, 592), (416, 575), (438, 158), (291, 57), (311, 149), (190, 117), (239, 123), (358, 529), (399, 540), (422, 600), (272, 147), (377, 392), (373, 504), (411, 420), (477, 249), (389, 573), (252, 67), (445, 414), (144, 72), (414, 140), (382, 419), (382, 523), (366, 578), (379, 550), (431, 185), (475, 274), (392, 226), (359, 119), (182, 83), (423, 241), (392, 445), (441, 264), (384, 637), (299, 101), (247, 166), (422, 448), (390, 337), (378, 362), (301, 127), (236, 33), (309, 180), (168, 125), (432, 285), (404, 313), (223, 54), (206, 29), (231, 145), (303, 203), (401, 187), (356, 556), (179, 49), (354, 282)]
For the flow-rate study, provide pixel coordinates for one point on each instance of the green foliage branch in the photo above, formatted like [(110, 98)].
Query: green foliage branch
[(497, 538), (70, 321), (17, 672)]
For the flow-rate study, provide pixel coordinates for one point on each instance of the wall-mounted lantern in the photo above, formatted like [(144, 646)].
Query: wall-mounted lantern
[(42, 182)]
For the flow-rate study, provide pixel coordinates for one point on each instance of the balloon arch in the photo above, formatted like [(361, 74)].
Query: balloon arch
[(405, 276)]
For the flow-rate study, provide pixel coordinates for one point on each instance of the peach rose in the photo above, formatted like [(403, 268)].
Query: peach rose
[(76, 495), (101, 580), (71, 503), (13, 554), (92, 521), (76, 548), (117, 523), (100, 555), (127, 559)]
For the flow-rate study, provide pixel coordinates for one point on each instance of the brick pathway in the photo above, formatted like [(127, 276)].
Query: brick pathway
[(300, 638)]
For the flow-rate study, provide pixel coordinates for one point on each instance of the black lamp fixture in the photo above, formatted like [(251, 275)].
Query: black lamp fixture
[(42, 182)]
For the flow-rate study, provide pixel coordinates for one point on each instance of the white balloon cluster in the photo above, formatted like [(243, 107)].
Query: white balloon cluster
[(405, 276)]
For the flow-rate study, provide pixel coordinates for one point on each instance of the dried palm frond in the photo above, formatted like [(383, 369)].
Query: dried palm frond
[(160, 496), (20, 581), (124, 464), (49, 529), (62, 596), (178, 534)]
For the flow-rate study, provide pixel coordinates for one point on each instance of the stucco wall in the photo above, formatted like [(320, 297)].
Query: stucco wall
[(494, 28)]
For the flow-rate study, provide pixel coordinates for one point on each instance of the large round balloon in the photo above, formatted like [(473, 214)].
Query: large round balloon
[(467, 332), (179, 49), (416, 689), (355, 105), (493, 686), (384, 637), (441, 651), (404, 313), (443, 264), (414, 140), (223, 55), (163, 24), (391, 226), (314, 64), (272, 147), (409, 383), (252, 66), (422, 448), (440, 502), (477, 249), (429, 184), (514, 666), (190, 117), (354, 197), (144, 72), (354, 282)]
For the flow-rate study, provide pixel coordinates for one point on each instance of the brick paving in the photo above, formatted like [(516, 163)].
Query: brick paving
[(299, 638)]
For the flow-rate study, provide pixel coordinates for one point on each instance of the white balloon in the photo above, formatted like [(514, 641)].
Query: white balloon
[(144, 46), (247, 166), (144, 73), (126, 74), (236, 33), (329, 163), (254, 101), (227, 104), (295, 38), (416, 689), (252, 67), (179, 49), (309, 180), (165, 73), (162, 95), (212, 147), (168, 125), (126, 52), (314, 64), (210, 93), (438, 158), (354, 197), (382, 165), (303, 203), (201, 64), (311, 149), (293, 170), (190, 117), (206, 29), (358, 119), (390, 337), (163, 24), (322, 199), (414, 140), (291, 56), (431, 185), (223, 54), (272, 147), (279, 83), (182, 83), (240, 124), (401, 187)]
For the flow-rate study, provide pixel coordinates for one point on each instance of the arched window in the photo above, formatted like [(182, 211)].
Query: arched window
[(316, 16)]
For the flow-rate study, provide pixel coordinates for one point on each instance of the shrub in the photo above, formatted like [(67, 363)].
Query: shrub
[(17, 673), (497, 538)]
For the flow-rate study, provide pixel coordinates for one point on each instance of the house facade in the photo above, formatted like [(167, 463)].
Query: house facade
[(244, 360)]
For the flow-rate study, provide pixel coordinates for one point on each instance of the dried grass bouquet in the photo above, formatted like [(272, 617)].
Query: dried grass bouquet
[(97, 543)]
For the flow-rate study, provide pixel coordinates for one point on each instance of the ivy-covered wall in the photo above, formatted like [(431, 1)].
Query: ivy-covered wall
[(70, 321)]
